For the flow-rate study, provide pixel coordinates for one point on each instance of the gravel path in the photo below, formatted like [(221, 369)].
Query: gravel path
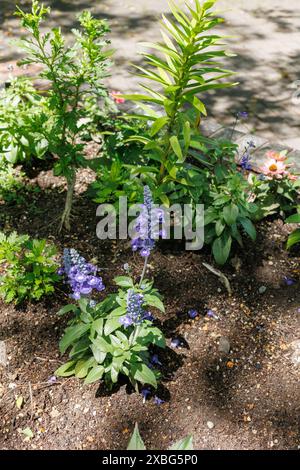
[(265, 37)]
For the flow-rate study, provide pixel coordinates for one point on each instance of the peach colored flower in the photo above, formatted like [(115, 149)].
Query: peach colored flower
[(292, 177), (116, 96), (273, 167), (279, 157)]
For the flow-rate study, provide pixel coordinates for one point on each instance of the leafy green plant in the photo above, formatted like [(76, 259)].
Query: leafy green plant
[(20, 109), (294, 237), (274, 195), (74, 73), (119, 180), (103, 341), (29, 268), (10, 183), (188, 64), (13, 187), (229, 215), (136, 442)]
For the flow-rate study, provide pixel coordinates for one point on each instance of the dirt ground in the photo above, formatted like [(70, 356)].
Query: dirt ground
[(264, 37), (244, 398)]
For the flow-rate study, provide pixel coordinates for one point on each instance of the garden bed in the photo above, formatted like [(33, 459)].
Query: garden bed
[(242, 399)]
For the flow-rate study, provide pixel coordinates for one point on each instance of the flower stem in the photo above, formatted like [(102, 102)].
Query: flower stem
[(144, 270)]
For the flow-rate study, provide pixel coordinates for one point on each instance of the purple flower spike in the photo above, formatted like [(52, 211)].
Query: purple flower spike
[(147, 226), (158, 401), (289, 281), (135, 313), (192, 313), (126, 321), (80, 275), (175, 343)]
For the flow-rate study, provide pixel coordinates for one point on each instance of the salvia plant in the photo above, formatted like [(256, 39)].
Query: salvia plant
[(29, 268), (113, 337), (186, 65), (74, 73), (136, 442)]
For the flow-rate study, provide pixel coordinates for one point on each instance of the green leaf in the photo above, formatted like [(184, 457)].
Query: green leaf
[(82, 367), (123, 281), (103, 345), (219, 227), (143, 374), (183, 444), (176, 147), (221, 248), (72, 333), (66, 370), (158, 125), (136, 442), (293, 238), (98, 354), (248, 227), (197, 104), (293, 219), (95, 374), (111, 325), (230, 213), (187, 134), (154, 301), (97, 327), (67, 308)]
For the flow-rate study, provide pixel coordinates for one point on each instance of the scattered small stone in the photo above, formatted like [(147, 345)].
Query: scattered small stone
[(54, 413), (210, 424), (224, 345), (3, 355), (262, 289)]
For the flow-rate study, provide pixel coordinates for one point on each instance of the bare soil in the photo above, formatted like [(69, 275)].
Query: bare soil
[(249, 396)]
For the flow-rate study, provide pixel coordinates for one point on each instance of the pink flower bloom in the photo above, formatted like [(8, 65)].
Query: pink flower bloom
[(274, 167), (116, 96), (292, 177), (279, 157)]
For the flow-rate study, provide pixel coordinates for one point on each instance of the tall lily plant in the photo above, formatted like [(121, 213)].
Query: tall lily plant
[(184, 65)]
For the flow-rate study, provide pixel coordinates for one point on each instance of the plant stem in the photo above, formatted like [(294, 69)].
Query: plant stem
[(144, 270), (65, 219)]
